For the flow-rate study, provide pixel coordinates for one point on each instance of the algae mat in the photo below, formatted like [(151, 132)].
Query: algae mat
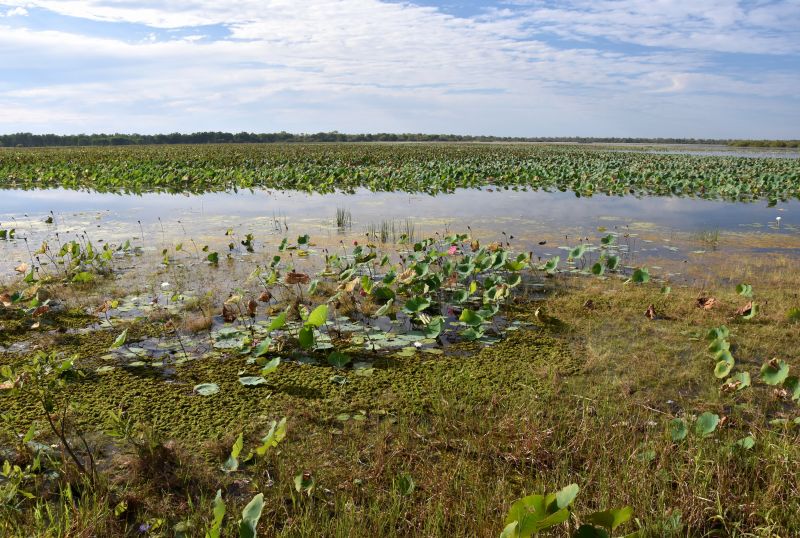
[(512, 368)]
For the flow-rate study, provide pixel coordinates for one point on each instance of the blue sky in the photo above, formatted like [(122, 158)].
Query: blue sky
[(710, 68)]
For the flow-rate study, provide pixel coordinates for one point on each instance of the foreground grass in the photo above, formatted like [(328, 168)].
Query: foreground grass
[(599, 421)]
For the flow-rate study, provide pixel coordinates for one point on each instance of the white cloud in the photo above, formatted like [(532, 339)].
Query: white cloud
[(366, 65), (18, 11)]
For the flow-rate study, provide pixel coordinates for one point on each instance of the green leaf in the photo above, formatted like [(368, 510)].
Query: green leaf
[(473, 319), (262, 348), (405, 484), (416, 304), (612, 263), (29, 435), (218, 516), (552, 265), (275, 435), (577, 252), (120, 340), (743, 379), (318, 316), (792, 384), (724, 366), (250, 516), (706, 424), (304, 483), (83, 277), (271, 366), (641, 275), (566, 495), (232, 463), (252, 381), (678, 429), (598, 269), (511, 530), (338, 360), (718, 333), (306, 337), (590, 531), (278, 322), (611, 519), (206, 389), (774, 372), (384, 309), (745, 290), (213, 258), (434, 327), (745, 443)]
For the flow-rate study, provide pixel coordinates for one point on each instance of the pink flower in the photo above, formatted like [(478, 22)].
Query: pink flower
[(452, 250)]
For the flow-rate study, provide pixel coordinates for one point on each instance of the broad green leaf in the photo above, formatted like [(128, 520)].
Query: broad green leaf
[(405, 484), (416, 304), (612, 263), (792, 384), (306, 337), (232, 463), (745, 290), (511, 530), (598, 269), (577, 252), (384, 309), (678, 429), (745, 443), (641, 275), (318, 316), (590, 531), (724, 366), (250, 516), (275, 435), (218, 516), (338, 359), (706, 424), (434, 327), (120, 340), (83, 277), (473, 319), (611, 519), (566, 495), (277, 323), (262, 348), (252, 381), (742, 378), (774, 372), (271, 366)]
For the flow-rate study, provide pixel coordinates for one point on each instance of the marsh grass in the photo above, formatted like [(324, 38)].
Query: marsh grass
[(601, 423)]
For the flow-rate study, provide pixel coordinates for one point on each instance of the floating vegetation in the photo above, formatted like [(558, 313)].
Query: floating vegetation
[(426, 168)]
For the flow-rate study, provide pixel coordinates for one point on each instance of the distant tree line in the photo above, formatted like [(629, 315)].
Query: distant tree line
[(765, 143), (216, 137)]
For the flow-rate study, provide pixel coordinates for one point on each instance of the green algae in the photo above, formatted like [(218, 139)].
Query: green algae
[(16, 327), (467, 373)]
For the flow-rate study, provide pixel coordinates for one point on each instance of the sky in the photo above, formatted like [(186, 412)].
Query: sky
[(637, 68)]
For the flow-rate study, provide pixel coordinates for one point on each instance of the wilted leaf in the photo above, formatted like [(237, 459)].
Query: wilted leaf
[(706, 303), (297, 278)]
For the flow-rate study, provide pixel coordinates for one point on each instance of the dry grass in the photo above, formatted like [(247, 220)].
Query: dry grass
[(603, 427)]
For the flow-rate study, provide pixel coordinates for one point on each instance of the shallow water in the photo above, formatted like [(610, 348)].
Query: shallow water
[(531, 217)]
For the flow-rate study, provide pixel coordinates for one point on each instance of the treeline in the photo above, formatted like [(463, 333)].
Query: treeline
[(214, 137), (765, 143)]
